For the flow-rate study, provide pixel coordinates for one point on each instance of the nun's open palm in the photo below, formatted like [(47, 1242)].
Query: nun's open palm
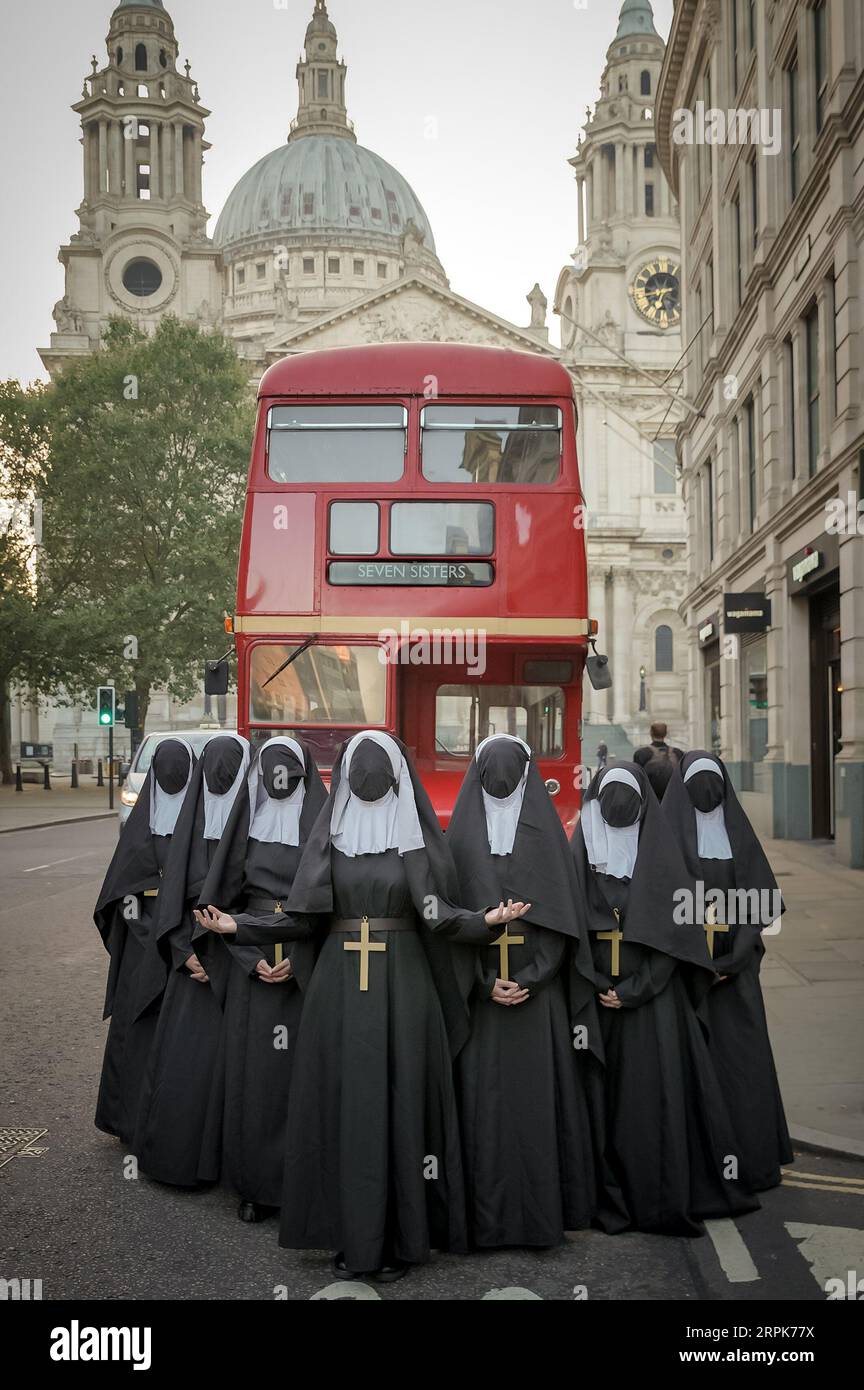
[(502, 914), (214, 920)]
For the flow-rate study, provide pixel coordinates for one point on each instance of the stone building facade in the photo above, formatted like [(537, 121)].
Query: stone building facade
[(771, 193), (619, 304)]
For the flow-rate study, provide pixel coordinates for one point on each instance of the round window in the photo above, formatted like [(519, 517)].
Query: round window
[(142, 278)]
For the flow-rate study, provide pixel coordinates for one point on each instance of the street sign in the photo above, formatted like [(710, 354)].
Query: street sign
[(746, 612), (42, 752)]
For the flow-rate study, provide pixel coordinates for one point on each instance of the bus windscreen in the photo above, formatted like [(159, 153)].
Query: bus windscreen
[(491, 444), (336, 443)]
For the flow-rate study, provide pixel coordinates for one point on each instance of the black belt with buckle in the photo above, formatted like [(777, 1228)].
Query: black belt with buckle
[(264, 905), (344, 924)]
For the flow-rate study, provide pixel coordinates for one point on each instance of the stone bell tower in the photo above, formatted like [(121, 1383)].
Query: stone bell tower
[(321, 81), (142, 249)]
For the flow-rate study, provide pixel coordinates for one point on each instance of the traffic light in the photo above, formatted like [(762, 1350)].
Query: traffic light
[(105, 706), (130, 709)]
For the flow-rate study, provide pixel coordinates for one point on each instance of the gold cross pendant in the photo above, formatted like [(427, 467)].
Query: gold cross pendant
[(504, 943), (712, 926), (364, 946), (278, 955), (616, 937)]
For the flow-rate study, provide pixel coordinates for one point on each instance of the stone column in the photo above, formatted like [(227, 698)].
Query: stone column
[(622, 640), (155, 173), (640, 181), (596, 176), (849, 765), (115, 156), (824, 310), (103, 154), (197, 166), (620, 181), (179, 184), (131, 189), (91, 161), (580, 210), (775, 591)]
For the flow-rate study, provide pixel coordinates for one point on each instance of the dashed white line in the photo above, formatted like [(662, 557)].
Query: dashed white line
[(55, 862)]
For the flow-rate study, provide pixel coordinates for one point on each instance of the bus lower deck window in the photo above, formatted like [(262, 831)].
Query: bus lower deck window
[(489, 444), (336, 443), (466, 714), (325, 684)]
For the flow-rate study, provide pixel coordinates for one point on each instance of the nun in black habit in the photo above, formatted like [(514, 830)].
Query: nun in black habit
[(125, 914), (524, 1076), (252, 873), (177, 1137), (373, 1167), (671, 1156), (722, 852)]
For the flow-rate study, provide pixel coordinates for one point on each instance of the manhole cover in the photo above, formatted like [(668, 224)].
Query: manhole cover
[(19, 1143)]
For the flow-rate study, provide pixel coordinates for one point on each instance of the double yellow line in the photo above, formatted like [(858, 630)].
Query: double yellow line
[(823, 1182)]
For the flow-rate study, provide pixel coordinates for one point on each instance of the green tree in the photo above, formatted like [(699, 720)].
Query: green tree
[(44, 645), (149, 444)]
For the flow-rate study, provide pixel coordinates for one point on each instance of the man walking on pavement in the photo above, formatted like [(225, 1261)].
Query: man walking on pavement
[(658, 759)]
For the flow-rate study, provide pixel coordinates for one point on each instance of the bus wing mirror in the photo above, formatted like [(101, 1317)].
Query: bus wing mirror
[(216, 677), (597, 667)]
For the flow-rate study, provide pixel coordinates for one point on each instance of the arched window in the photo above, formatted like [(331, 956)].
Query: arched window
[(645, 83), (140, 57), (663, 649), (119, 56)]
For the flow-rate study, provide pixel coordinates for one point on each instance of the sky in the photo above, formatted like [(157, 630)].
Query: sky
[(478, 103)]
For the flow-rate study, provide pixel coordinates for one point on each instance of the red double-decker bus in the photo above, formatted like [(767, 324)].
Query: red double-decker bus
[(413, 558)]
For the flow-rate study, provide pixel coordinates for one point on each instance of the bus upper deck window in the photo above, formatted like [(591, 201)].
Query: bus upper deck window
[(442, 528), (336, 443), (489, 444)]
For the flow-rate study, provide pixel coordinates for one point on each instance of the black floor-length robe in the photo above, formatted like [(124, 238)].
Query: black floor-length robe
[(126, 914), (260, 1021), (177, 1138), (734, 1009), (523, 1089), (671, 1157), (373, 1167)]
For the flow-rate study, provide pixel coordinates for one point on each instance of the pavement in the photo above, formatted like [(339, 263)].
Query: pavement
[(76, 1215), (34, 806)]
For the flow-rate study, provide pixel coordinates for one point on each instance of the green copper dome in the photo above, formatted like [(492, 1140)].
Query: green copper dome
[(321, 183), (637, 17)]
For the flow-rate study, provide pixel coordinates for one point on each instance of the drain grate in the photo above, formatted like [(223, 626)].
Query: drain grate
[(19, 1143)]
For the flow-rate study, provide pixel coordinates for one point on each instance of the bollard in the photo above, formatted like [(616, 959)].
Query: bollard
[(19, 784), (100, 779), (74, 779), (46, 777)]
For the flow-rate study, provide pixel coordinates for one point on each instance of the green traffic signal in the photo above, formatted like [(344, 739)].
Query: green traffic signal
[(105, 705)]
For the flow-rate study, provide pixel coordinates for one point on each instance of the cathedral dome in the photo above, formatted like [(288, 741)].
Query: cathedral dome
[(320, 184)]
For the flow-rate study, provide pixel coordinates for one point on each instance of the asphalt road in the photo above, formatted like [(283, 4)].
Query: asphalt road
[(70, 1215)]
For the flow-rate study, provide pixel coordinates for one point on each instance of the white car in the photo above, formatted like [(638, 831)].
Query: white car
[(140, 764)]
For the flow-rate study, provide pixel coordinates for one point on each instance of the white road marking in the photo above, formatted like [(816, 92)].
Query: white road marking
[(735, 1259), (55, 862), (830, 1251)]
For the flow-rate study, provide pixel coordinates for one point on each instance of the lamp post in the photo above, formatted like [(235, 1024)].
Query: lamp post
[(641, 689)]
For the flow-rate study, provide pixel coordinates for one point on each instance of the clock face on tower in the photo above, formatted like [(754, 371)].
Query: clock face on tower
[(656, 292)]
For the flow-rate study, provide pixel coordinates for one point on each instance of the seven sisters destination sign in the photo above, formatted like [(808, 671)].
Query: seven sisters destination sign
[(460, 574)]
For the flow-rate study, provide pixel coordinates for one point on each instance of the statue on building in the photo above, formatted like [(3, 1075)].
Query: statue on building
[(539, 304), (67, 319)]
